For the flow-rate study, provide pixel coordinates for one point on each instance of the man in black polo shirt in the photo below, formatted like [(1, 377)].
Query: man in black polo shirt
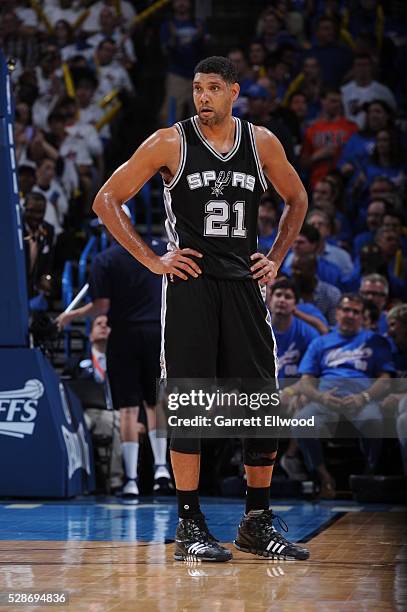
[(130, 295)]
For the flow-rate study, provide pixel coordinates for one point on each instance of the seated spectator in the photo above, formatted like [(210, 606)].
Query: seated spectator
[(308, 82), (352, 356), (298, 104), (334, 57), (394, 221), (56, 200), (257, 59), (391, 255), (267, 222), (279, 113), (38, 236), (183, 42), (325, 197), (95, 396), (371, 316), (386, 159), (325, 138), (259, 101), (26, 179), (292, 334), (329, 252), (62, 10), (322, 295), (125, 14), (89, 111), (397, 319), (109, 28), (307, 242), (363, 89), (245, 78), (360, 145), (111, 73), (270, 30), (374, 219), (375, 288)]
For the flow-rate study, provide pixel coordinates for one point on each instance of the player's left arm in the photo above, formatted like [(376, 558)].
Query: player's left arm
[(289, 186)]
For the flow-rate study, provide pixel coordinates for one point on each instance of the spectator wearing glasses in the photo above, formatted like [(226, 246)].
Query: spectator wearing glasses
[(374, 219), (336, 378), (374, 287)]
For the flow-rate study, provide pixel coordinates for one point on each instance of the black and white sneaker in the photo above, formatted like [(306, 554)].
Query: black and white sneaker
[(162, 480), (130, 490), (257, 535), (193, 542)]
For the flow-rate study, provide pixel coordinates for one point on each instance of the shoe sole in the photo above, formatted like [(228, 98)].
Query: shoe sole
[(196, 559), (267, 554)]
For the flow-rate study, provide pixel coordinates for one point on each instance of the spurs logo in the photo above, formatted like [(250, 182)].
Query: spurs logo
[(19, 408), (217, 182), (221, 182)]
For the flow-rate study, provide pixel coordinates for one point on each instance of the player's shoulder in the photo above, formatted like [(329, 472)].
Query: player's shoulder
[(266, 141), (165, 136)]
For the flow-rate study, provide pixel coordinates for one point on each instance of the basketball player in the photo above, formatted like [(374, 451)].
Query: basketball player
[(213, 316)]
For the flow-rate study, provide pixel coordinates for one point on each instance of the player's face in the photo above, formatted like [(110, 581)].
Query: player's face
[(213, 98), (282, 302), (349, 316)]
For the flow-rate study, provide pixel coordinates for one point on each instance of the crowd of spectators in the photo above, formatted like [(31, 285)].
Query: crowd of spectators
[(326, 77)]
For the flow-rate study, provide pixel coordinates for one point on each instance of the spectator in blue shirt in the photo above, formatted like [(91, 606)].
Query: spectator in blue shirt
[(267, 223), (374, 218), (329, 252), (375, 287), (293, 337), (307, 242), (360, 145), (312, 290), (334, 58), (336, 377), (292, 334)]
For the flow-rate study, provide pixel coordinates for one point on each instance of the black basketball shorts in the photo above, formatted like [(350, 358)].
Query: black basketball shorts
[(133, 363), (214, 328)]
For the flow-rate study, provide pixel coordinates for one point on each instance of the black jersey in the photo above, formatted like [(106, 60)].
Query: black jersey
[(212, 201)]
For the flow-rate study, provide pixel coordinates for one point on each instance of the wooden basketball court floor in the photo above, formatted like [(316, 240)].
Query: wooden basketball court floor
[(107, 556)]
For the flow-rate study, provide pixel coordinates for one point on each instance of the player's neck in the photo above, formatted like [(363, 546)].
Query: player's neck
[(219, 132)]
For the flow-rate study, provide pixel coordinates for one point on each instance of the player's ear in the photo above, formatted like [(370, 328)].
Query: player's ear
[(235, 89)]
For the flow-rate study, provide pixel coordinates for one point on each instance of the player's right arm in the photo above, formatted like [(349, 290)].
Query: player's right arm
[(161, 149)]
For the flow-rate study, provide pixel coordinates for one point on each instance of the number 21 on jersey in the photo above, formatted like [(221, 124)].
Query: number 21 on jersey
[(217, 219)]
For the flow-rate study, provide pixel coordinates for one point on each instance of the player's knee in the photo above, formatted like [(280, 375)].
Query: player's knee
[(259, 453)]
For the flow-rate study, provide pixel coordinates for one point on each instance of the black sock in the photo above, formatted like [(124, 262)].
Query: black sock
[(257, 498), (188, 503)]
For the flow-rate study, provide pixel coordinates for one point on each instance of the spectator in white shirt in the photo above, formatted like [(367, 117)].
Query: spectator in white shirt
[(124, 10), (50, 187), (108, 29), (110, 73), (363, 89)]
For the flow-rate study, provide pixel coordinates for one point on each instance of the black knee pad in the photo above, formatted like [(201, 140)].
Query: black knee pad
[(191, 446), (257, 451)]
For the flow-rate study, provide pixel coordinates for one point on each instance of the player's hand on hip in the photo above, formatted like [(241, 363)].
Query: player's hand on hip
[(264, 270), (177, 263)]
